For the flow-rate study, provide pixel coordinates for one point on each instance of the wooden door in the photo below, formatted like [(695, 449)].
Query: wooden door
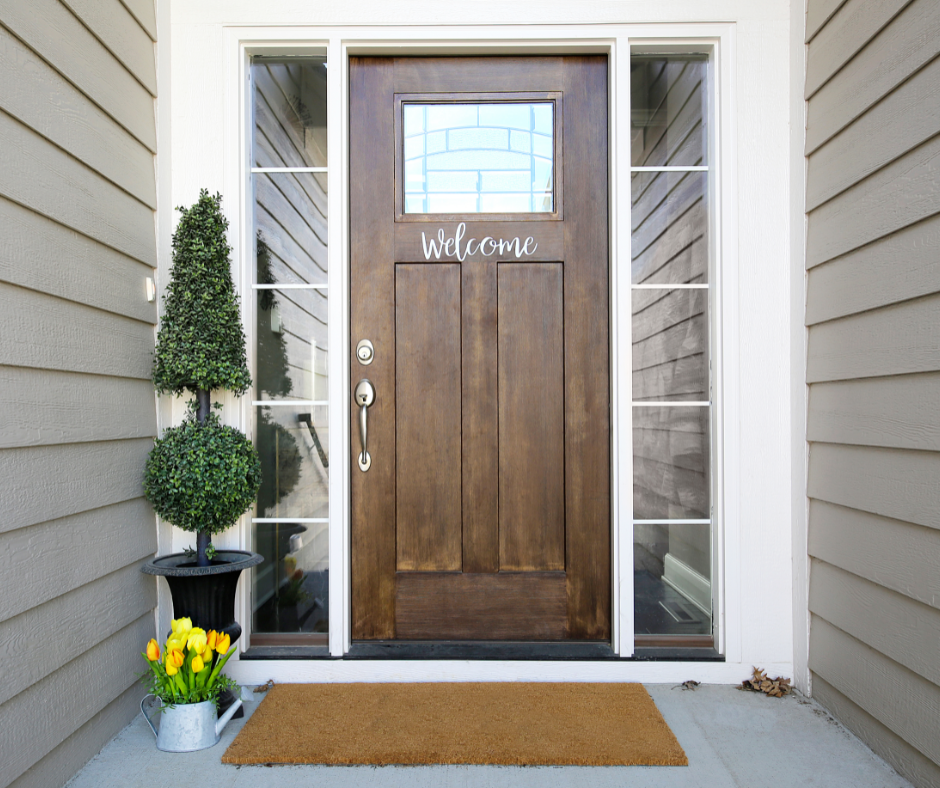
[(485, 514)]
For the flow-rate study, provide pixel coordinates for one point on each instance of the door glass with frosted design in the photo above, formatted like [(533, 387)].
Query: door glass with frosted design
[(478, 158)]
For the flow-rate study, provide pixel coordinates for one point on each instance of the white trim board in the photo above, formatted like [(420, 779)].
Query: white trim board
[(209, 148)]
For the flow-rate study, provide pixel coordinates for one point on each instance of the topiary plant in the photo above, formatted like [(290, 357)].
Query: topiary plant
[(200, 344), (201, 476)]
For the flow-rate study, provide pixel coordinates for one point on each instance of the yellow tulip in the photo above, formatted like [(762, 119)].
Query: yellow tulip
[(198, 664), (197, 640), (211, 639), (223, 644), (171, 670), (174, 658), (153, 651), (181, 626)]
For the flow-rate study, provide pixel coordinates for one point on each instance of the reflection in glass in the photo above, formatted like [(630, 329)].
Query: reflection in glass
[(290, 213), (289, 111), (479, 158), (293, 442), (669, 217), (672, 579), (667, 118), (291, 344), (671, 463), (291, 588), (670, 345)]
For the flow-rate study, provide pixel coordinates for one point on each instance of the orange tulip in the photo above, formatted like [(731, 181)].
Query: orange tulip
[(223, 643), (153, 651), (175, 658), (211, 639)]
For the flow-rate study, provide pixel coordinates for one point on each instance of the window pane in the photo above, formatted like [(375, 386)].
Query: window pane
[(290, 217), (669, 217), (671, 463), (290, 590), (670, 345), (672, 579), (291, 344), (289, 112), (293, 442), (479, 158), (667, 119)]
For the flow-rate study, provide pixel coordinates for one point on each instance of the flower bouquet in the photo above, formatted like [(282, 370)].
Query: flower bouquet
[(187, 679), (190, 670)]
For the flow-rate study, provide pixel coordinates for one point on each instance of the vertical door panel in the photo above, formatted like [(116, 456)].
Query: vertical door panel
[(531, 417), (480, 418), (427, 397)]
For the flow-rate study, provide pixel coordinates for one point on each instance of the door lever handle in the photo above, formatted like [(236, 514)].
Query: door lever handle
[(364, 396)]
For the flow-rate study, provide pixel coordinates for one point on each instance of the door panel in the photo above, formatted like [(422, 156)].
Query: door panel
[(480, 412), (531, 418), (427, 418), (503, 606), (485, 514)]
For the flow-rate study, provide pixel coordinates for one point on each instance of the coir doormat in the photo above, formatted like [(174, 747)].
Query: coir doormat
[(523, 724)]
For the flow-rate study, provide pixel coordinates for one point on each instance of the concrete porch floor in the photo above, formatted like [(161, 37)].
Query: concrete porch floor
[(731, 738)]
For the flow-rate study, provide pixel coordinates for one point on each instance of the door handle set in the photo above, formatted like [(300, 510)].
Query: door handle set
[(364, 396)]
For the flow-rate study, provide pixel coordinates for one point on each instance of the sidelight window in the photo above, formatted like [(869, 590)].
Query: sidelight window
[(290, 590), (672, 293)]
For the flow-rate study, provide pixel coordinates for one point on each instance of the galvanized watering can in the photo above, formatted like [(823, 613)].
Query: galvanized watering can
[(189, 726)]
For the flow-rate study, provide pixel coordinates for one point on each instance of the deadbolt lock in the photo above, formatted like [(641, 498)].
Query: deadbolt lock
[(365, 352)]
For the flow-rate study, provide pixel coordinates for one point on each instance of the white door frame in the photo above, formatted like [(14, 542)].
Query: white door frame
[(339, 43)]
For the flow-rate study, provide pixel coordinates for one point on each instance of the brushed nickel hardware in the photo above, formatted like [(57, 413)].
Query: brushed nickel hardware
[(364, 396), (365, 352)]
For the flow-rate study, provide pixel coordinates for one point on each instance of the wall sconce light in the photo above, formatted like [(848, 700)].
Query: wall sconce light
[(151, 289)]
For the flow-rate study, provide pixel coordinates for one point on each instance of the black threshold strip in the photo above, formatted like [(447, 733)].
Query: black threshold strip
[(528, 652)]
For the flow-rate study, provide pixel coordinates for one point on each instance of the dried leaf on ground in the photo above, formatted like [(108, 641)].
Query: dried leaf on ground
[(759, 682)]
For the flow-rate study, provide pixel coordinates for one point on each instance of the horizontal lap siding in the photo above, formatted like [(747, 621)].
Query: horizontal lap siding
[(873, 365), (77, 242)]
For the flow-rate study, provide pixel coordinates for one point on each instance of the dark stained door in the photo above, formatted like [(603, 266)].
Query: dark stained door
[(485, 514)]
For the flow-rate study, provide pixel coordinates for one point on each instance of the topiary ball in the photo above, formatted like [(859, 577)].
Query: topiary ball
[(202, 477)]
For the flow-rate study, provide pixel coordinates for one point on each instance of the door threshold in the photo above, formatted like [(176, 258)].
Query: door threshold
[(478, 650)]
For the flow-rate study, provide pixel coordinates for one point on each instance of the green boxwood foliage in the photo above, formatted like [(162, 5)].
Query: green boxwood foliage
[(200, 344), (202, 477)]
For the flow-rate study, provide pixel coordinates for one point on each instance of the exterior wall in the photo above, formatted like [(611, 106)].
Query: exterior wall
[(77, 201), (873, 291)]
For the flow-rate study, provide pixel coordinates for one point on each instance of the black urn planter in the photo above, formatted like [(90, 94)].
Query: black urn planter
[(206, 594)]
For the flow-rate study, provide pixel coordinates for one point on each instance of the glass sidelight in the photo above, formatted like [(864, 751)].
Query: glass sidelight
[(290, 590), (672, 360)]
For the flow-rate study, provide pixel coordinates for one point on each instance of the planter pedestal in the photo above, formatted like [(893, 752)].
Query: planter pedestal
[(206, 594)]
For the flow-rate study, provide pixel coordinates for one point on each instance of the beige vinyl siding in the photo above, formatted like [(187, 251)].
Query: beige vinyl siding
[(77, 200), (873, 366)]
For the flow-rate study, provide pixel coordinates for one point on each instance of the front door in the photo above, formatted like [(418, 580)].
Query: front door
[(479, 274)]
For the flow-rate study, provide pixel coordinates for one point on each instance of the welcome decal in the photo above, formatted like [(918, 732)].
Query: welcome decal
[(488, 246)]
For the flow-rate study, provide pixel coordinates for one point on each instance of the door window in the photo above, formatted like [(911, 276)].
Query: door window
[(479, 158)]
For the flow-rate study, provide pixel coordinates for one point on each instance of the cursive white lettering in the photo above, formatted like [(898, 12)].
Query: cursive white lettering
[(488, 247)]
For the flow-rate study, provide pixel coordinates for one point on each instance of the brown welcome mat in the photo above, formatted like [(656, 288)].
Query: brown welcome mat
[(493, 723)]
